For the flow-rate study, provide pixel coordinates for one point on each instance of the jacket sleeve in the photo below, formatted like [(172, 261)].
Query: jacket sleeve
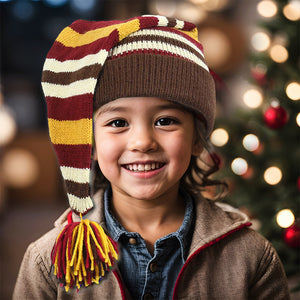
[(270, 281), (34, 280)]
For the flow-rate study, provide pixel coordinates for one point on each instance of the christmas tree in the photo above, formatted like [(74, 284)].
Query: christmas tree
[(259, 144)]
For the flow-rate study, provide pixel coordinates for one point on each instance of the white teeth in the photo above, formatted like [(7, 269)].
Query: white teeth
[(143, 167)]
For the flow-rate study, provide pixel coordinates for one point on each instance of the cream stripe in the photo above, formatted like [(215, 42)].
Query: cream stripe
[(153, 45), (161, 33), (56, 66), (179, 24), (162, 21), (81, 205), (78, 87), (76, 174)]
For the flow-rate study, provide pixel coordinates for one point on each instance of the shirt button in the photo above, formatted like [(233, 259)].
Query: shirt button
[(148, 297), (153, 267), (132, 241)]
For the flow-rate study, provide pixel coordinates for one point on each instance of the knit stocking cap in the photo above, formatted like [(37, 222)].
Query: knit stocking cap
[(142, 56)]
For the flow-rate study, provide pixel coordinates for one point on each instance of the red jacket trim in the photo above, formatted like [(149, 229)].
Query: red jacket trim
[(202, 248)]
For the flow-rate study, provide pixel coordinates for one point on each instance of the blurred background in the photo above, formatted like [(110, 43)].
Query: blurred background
[(253, 49)]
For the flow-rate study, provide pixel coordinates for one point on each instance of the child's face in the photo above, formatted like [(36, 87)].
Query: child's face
[(144, 145)]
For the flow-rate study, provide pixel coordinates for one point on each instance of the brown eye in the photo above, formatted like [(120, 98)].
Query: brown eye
[(118, 123), (165, 122)]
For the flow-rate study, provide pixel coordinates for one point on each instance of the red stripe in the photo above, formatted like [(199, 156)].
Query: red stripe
[(76, 156), (121, 285), (72, 108), (148, 22), (62, 53), (83, 26), (202, 248)]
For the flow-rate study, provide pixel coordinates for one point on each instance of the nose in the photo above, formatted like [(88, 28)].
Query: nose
[(142, 139)]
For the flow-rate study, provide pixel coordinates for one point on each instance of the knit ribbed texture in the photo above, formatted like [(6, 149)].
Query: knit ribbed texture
[(143, 56)]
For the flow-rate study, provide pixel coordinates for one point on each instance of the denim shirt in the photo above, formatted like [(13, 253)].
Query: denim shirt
[(147, 276)]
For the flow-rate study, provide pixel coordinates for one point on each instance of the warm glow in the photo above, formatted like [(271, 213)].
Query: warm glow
[(253, 98), (293, 90), (212, 5), (267, 8), (273, 175), (298, 119), (165, 8), (279, 53), (213, 40), (239, 166), (292, 10), (251, 142), (260, 41), (219, 137), (285, 218), (19, 168), (8, 126)]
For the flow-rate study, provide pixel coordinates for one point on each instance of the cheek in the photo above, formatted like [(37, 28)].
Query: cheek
[(107, 153), (181, 149)]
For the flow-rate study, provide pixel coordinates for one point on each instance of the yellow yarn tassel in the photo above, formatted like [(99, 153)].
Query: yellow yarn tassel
[(82, 254)]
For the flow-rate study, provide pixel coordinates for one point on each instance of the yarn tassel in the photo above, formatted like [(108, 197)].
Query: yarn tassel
[(82, 254)]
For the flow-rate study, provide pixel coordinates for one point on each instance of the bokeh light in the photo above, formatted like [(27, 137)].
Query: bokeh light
[(253, 98), (293, 90), (20, 168), (292, 10), (251, 142), (298, 119), (239, 166), (278, 53), (267, 8), (219, 137), (260, 41), (273, 175), (285, 218), (8, 126)]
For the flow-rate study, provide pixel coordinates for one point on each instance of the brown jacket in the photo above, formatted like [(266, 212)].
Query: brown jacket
[(227, 260)]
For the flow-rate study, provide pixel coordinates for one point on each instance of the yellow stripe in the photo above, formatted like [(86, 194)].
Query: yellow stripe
[(70, 38), (193, 33), (71, 132)]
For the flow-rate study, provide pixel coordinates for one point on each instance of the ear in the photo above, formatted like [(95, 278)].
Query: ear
[(197, 148)]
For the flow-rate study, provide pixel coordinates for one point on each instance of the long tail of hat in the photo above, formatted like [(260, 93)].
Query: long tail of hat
[(83, 252)]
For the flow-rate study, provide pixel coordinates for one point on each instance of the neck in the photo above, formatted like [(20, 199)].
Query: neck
[(151, 218)]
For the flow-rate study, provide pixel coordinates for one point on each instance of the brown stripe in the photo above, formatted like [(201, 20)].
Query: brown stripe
[(69, 77), (172, 22), (164, 40), (80, 190)]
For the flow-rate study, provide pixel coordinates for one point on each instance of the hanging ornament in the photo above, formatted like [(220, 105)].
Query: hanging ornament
[(258, 73), (291, 235), (275, 116), (298, 183)]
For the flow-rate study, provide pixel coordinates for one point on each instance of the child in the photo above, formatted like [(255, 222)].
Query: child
[(141, 93)]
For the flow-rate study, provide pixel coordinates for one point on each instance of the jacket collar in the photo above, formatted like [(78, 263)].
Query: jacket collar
[(213, 219)]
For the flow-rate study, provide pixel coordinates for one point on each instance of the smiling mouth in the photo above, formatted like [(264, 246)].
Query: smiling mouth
[(148, 167)]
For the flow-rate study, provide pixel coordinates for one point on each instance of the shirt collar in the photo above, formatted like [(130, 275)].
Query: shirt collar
[(183, 234)]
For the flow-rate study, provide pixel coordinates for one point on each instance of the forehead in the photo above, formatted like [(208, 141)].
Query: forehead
[(134, 103)]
